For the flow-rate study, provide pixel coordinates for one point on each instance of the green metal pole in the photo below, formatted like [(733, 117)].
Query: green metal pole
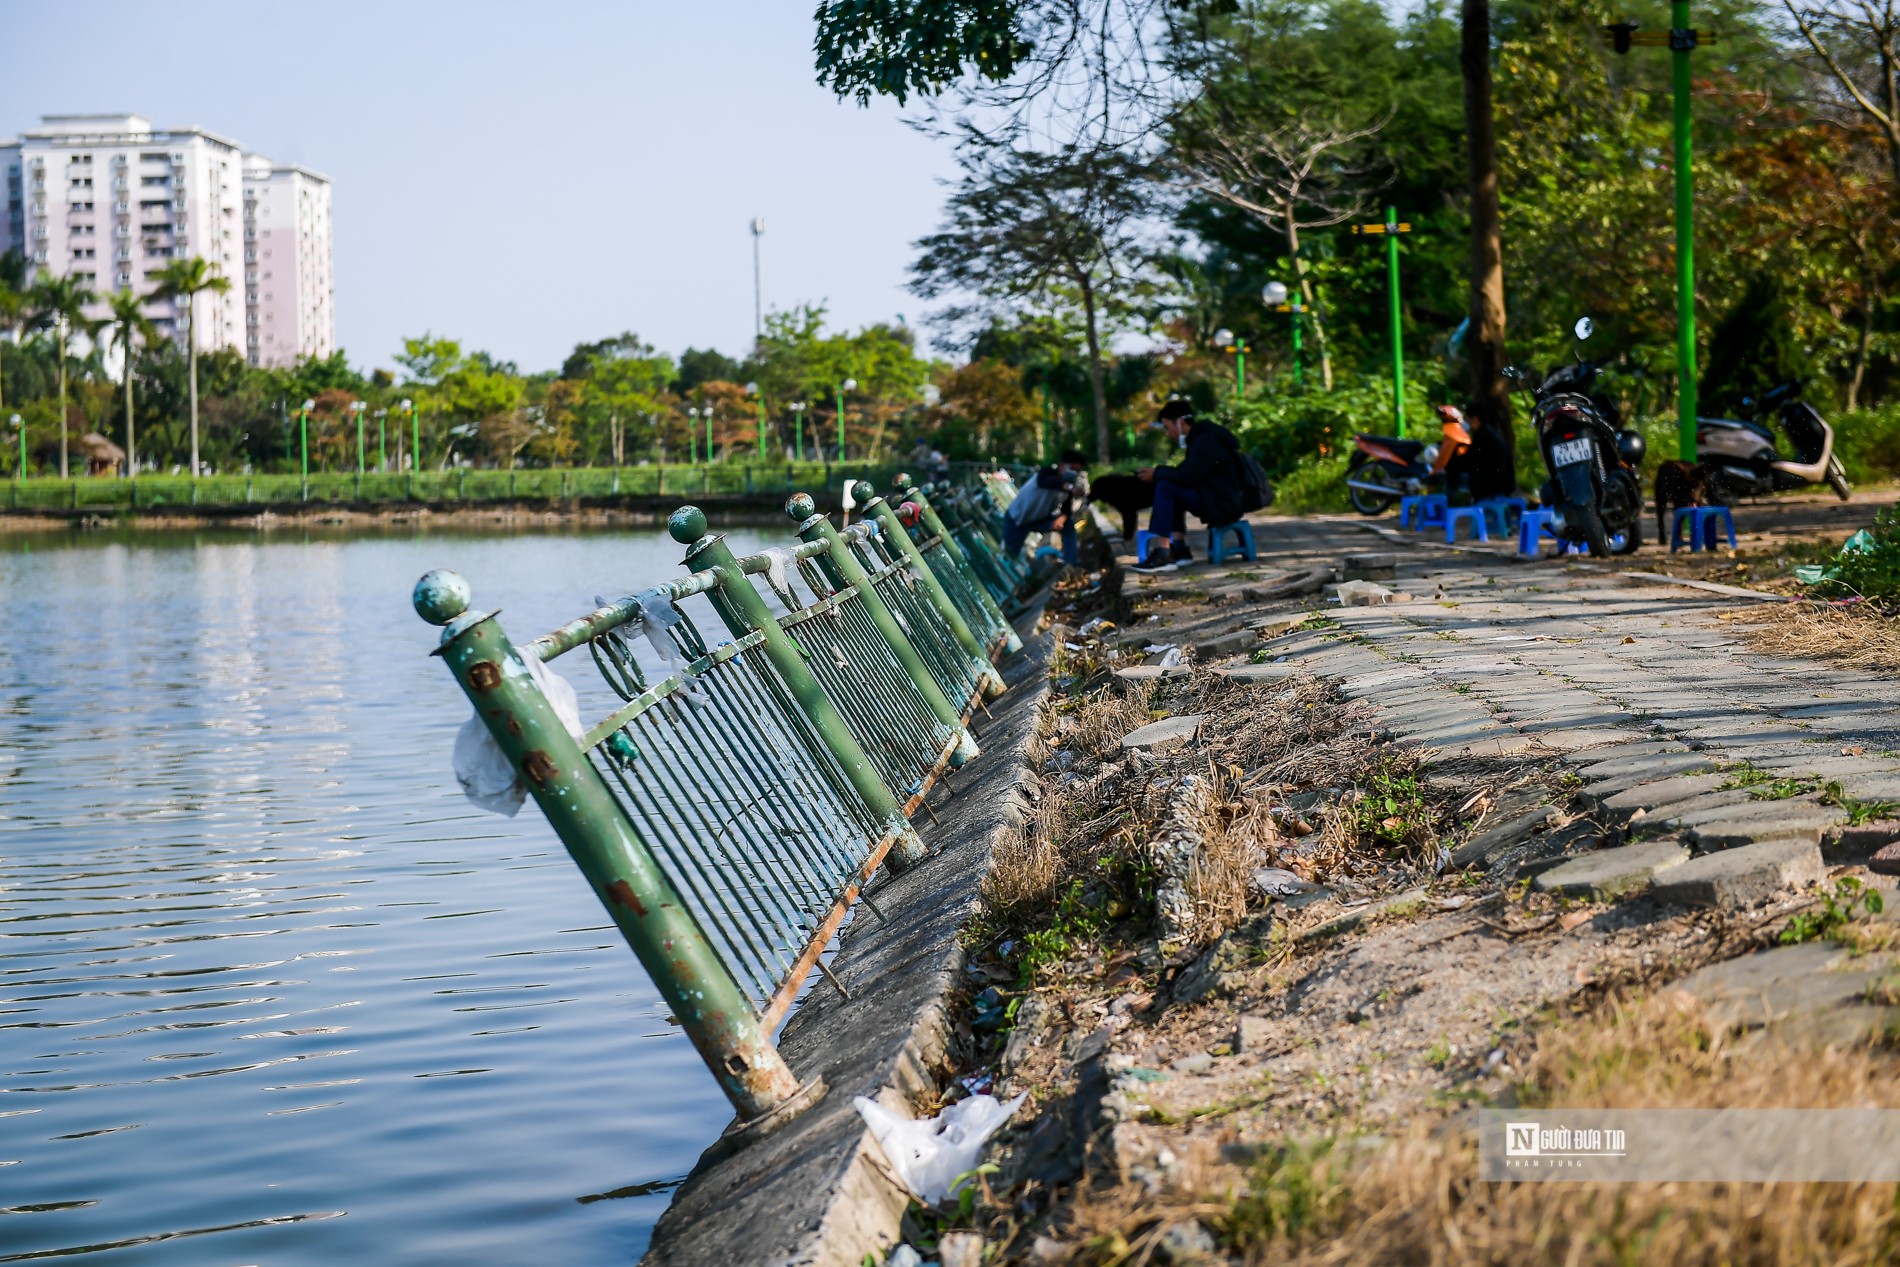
[(650, 913), (382, 440), (361, 453), (1681, 41), (303, 430), (22, 455), (898, 537), (1299, 370), (744, 610), (934, 524), (840, 396), (841, 568), (709, 436), (415, 440), (1240, 368), (798, 435), (1398, 337), (761, 428)]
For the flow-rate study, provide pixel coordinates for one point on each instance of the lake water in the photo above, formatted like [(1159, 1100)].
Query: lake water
[(271, 991)]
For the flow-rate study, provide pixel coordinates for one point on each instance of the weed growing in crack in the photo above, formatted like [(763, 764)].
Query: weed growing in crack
[(1850, 900)]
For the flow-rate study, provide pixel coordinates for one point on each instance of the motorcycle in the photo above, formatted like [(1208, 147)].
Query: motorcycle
[(1593, 487), (1742, 459), (1383, 469)]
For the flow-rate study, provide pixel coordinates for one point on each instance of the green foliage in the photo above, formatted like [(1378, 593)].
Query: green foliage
[(1754, 348), (1850, 900), (1872, 573), (895, 48), (1290, 1191)]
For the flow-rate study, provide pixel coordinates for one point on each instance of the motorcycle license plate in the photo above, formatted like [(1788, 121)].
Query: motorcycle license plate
[(1571, 452)]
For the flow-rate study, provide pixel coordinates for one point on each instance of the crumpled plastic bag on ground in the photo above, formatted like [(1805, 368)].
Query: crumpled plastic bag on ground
[(932, 1153), (487, 777), (1366, 594)]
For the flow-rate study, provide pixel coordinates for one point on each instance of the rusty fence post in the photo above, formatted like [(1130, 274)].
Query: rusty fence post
[(689, 974)]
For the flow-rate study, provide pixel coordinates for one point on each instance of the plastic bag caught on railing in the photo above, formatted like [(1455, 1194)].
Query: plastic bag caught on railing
[(778, 574), (932, 1153), (658, 615), (487, 777)]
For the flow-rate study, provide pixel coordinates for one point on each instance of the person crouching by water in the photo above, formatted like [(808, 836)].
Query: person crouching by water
[(1207, 484), (1047, 504)]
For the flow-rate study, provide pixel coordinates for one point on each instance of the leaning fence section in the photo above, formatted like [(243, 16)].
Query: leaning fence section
[(780, 716)]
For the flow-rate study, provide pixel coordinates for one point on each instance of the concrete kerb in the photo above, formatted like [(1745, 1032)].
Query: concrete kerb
[(820, 1191)]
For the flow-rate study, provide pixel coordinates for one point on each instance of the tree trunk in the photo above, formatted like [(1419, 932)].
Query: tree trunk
[(1303, 283), (1863, 346), (131, 441), (191, 347), (1096, 388), (1484, 342), (63, 474)]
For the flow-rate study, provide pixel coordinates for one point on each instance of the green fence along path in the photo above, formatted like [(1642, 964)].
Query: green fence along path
[(743, 796)]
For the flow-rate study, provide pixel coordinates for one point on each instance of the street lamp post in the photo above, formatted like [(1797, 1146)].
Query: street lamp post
[(1391, 230), (303, 432), (849, 385), (357, 407), (752, 390), (706, 412), (1274, 295), (14, 421), (382, 439), (415, 439), (798, 430), (692, 435), (1224, 338)]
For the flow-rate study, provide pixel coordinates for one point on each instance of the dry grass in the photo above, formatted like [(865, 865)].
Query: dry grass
[(1859, 637), (1416, 1199)]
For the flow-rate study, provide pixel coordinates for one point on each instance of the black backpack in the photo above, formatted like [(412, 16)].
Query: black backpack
[(1256, 490)]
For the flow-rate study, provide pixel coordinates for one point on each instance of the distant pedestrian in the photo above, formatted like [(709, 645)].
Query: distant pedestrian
[(1048, 504)]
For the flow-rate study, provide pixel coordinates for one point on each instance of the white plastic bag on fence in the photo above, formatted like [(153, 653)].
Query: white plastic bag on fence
[(932, 1153), (487, 778)]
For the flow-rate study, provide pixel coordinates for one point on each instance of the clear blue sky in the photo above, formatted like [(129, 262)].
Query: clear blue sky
[(523, 177)]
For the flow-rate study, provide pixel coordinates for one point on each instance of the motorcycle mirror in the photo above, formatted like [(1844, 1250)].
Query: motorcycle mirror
[(1585, 327)]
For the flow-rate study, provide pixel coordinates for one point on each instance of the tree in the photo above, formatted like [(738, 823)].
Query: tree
[(1066, 229), (1310, 172), (13, 309), (60, 302), (187, 279), (1484, 340), (1752, 349), (127, 324), (1858, 44)]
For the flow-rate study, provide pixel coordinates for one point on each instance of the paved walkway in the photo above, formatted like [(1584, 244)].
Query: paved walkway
[(1638, 684)]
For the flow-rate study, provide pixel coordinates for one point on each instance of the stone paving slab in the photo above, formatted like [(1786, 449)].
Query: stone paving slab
[(1771, 985), (1486, 845), (1744, 876), (1770, 822), (1648, 798), (1612, 873), (1162, 736)]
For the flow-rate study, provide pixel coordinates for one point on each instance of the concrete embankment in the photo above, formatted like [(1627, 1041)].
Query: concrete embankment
[(819, 1191)]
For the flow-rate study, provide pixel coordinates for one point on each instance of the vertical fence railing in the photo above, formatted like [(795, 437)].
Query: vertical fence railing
[(744, 792)]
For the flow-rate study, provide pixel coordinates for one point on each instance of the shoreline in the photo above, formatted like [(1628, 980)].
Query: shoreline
[(627, 513)]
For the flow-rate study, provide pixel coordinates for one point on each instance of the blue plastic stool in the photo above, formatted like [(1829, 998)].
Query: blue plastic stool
[(1702, 528), (1144, 539), (1497, 512), (1473, 515), (1431, 511), (1532, 527), (1217, 538), (1408, 508)]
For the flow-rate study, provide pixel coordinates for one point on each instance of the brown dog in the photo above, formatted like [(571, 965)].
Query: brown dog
[(1678, 484)]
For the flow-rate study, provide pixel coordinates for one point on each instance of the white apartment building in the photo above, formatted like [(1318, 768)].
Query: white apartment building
[(108, 200)]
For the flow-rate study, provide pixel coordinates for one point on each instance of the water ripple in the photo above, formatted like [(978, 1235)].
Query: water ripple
[(267, 978)]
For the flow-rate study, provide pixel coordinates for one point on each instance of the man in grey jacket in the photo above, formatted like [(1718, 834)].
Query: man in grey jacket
[(1047, 504)]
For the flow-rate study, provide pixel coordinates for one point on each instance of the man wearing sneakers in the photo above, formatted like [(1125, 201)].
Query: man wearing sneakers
[(1208, 483)]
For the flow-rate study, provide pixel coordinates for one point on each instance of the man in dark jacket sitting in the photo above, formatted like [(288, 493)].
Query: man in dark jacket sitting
[(1206, 484)]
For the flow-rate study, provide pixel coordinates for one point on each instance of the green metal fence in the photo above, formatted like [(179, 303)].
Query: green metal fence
[(766, 754), (706, 480)]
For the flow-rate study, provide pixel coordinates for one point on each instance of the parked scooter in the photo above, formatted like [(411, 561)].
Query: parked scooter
[(1741, 457), (1593, 487), (1383, 469)]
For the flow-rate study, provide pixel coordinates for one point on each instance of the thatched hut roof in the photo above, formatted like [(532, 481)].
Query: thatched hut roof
[(99, 449)]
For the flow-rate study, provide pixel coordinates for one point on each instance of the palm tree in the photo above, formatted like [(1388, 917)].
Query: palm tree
[(12, 312), (128, 323), (185, 279), (61, 302)]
